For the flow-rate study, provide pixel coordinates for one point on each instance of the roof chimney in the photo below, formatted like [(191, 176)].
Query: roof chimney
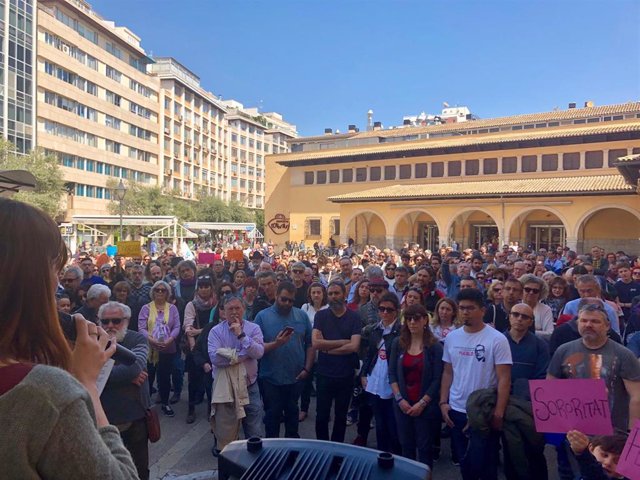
[(328, 131), (352, 129), (589, 104), (369, 120), (406, 121), (572, 105), (377, 125)]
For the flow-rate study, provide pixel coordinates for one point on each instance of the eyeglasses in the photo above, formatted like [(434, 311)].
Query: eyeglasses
[(636, 274), (160, 290), (204, 285), (497, 289), (297, 271), (107, 321), (531, 290), (390, 268), (376, 289), (69, 280), (520, 315), (413, 318), (285, 300), (226, 292), (386, 309)]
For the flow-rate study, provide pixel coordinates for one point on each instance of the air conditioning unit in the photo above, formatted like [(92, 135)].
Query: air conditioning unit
[(175, 155), (167, 131), (180, 118), (168, 171), (65, 48)]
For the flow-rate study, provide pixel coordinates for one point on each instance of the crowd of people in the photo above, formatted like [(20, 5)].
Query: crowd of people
[(417, 345)]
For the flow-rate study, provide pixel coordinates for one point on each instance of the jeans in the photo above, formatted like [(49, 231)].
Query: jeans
[(386, 429), (253, 423), (416, 434), (136, 440), (332, 391), (477, 453), (279, 399), (163, 370), (305, 395), (177, 373)]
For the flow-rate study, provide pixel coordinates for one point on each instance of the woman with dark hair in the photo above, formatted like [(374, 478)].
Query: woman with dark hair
[(415, 371), (53, 425), (374, 374), (250, 292), (558, 296), (360, 296), (121, 291)]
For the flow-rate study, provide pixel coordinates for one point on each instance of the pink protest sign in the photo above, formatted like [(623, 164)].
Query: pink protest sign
[(206, 258), (575, 404), (629, 463)]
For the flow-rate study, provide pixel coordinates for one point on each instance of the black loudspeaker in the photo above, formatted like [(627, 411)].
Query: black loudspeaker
[(298, 459)]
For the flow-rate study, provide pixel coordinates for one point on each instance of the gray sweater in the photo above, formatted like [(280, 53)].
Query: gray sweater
[(49, 431)]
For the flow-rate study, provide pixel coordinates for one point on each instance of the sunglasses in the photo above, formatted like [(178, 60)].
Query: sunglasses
[(160, 290), (390, 268), (69, 280), (520, 315), (635, 274), (413, 318), (107, 321), (226, 292), (204, 285), (376, 289), (531, 290), (285, 300), (297, 271), (386, 309)]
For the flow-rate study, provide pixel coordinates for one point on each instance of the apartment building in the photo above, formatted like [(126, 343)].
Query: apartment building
[(252, 136), (17, 77), (98, 108), (193, 150)]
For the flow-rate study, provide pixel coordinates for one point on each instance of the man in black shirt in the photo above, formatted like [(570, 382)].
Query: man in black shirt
[(336, 336), (297, 274)]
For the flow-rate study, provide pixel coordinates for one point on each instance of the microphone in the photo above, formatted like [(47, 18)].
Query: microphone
[(121, 355)]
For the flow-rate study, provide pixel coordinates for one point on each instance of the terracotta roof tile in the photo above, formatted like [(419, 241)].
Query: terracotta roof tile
[(518, 187)]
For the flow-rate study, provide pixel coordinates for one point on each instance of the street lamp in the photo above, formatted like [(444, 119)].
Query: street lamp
[(120, 192)]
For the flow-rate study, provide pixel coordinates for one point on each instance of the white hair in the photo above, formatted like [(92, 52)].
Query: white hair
[(95, 291), (75, 269), (160, 283), (126, 311)]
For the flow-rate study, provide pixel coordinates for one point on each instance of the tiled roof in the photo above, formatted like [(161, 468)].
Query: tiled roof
[(558, 115), (597, 184), (464, 141)]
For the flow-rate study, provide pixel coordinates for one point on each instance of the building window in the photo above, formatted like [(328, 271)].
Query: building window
[(390, 172), (549, 162), (593, 159), (471, 167), (313, 227), (421, 170), (335, 226), (571, 161), (529, 163), (614, 154), (405, 172), (490, 166), (454, 169), (437, 169), (347, 175), (334, 176), (308, 178), (361, 174), (374, 174), (321, 177), (509, 164)]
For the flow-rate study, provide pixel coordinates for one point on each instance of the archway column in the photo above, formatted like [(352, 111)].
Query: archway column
[(389, 241), (572, 243)]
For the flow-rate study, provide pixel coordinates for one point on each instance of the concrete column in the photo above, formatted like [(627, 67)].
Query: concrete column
[(389, 241), (572, 243), (344, 237)]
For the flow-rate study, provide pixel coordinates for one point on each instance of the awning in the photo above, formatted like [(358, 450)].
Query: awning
[(12, 181)]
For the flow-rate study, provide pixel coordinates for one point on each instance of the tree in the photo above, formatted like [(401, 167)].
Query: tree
[(144, 200), (258, 218), (49, 180)]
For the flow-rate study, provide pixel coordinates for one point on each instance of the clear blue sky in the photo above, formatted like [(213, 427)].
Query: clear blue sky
[(324, 63)]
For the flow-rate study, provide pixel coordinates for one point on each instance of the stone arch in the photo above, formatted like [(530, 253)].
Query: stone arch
[(619, 232), (371, 229), (532, 208), (407, 223), (469, 211), (545, 232)]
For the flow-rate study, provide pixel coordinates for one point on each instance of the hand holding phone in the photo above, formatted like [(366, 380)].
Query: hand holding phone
[(287, 330)]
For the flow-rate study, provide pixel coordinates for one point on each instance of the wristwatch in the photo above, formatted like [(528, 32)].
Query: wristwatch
[(241, 336)]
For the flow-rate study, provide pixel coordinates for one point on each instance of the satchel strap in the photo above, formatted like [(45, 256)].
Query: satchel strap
[(11, 375)]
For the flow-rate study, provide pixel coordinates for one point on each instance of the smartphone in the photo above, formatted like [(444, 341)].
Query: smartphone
[(287, 330)]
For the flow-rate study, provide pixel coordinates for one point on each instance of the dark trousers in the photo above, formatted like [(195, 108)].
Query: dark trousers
[(365, 414), (477, 452), (195, 374), (307, 388), (279, 400), (386, 429), (537, 463), (416, 436), (136, 440), (330, 391), (163, 370), (177, 373)]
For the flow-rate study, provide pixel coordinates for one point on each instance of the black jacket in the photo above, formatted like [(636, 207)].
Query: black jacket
[(431, 374), (374, 340)]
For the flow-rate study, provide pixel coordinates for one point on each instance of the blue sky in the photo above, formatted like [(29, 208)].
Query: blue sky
[(325, 63)]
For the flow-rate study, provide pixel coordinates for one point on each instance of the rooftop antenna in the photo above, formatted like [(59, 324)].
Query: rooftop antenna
[(369, 120)]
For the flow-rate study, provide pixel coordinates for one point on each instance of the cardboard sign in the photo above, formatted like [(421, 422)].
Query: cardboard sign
[(206, 258), (236, 255), (629, 463), (130, 249), (573, 404)]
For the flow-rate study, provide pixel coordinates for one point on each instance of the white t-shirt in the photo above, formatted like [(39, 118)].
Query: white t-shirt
[(473, 357)]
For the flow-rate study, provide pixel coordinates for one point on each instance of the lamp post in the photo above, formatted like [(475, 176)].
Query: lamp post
[(120, 192)]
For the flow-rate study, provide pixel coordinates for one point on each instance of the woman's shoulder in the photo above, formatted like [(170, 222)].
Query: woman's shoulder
[(53, 384)]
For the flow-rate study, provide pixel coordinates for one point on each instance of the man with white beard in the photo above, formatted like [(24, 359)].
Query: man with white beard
[(125, 398)]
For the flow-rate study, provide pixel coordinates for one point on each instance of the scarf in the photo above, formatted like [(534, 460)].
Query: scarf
[(201, 304), (153, 356)]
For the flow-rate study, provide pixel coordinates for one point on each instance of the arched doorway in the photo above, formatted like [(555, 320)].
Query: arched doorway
[(612, 228), (368, 228), (473, 228), (538, 228), (417, 227)]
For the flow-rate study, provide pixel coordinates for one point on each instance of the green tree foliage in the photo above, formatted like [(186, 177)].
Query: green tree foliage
[(49, 180), (258, 218)]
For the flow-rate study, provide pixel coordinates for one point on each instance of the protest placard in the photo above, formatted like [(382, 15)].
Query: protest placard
[(574, 404), (234, 255), (130, 249), (629, 463), (206, 258)]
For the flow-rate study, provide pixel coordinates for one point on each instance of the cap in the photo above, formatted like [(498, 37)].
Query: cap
[(256, 254)]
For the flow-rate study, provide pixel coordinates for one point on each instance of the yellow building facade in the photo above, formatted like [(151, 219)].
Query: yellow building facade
[(538, 179)]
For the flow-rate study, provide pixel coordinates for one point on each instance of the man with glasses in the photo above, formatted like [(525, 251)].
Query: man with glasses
[(475, 357), (287, 361), (594, 355), (336, 337), (97, 295), (70, 281), (125, 398), (390, 273), (498, 315), (301, 287)]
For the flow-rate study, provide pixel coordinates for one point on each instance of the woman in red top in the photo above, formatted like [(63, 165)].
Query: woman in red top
[(361, 295), (415, 370)]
